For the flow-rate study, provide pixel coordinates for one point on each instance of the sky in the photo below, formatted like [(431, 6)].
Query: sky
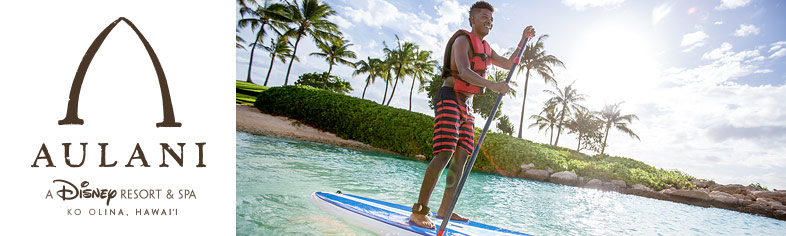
[(707, 79)]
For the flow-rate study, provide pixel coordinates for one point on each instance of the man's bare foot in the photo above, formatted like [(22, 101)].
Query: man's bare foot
[(454, 216), (421, 220)]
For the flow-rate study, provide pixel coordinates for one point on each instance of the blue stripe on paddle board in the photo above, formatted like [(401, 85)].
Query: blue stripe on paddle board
[(384, 216)]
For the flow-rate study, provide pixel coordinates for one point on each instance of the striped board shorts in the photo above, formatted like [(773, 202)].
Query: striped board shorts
[(453, 123)]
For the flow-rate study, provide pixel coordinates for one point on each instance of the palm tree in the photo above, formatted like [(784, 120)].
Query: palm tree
[(239, 41), (548, 117), (534, 58), (371, 67), (335, 52), (423, 68), (310, 19), (568, 99), (402, 58), (279, 48), (384, 70), (584, 123), (611, 118), (266, 15)]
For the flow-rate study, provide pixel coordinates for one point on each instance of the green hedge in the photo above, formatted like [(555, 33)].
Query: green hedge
[(397, 130), (409, 133)]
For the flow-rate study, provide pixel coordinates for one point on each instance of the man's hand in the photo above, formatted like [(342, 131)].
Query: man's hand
[(529, 32), (500, 87)]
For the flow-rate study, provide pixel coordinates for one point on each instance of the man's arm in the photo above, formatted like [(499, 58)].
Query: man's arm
[(508, 62), (460, 48)]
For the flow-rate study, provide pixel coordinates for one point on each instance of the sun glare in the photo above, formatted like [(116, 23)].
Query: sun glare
[(614, 61)]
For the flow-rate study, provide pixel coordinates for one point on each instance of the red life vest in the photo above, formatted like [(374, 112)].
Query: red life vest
[(479, 61)]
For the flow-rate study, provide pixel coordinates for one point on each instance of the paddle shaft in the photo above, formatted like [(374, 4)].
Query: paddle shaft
[(482, 137)]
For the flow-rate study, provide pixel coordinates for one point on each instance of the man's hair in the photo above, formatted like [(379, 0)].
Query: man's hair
[(480, 5)]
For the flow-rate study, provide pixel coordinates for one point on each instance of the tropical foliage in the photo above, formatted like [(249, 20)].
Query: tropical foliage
[(535, 59), (324, 81), (309, 18), (611, 118), (258, 17), (567, 99), (410, 133), (335, 52)]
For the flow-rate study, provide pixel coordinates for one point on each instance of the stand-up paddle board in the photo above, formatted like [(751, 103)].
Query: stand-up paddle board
[(387, 218)]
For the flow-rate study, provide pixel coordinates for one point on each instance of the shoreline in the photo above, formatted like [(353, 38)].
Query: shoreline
[(250, 120), (732, 197)]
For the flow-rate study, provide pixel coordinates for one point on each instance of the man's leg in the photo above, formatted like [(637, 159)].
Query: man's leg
[(451, 184), (433, 171)]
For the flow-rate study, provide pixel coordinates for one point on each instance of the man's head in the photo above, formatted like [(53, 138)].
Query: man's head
[(480, 17)]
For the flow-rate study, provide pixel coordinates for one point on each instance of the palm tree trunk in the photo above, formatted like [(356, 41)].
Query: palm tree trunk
[(551, 137), (410, 94), (392, 92), (251, 59), (605, 137), (398, 75), (330, 69), (559, 126), (579, 146), (272, 60), (368, 80), (294, 54), (523, 103), (386, 89)]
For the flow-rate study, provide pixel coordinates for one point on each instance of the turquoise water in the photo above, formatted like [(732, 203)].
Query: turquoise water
[(276, 176)]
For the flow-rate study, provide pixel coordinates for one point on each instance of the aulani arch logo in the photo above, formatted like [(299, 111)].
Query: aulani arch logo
[(72, 118)]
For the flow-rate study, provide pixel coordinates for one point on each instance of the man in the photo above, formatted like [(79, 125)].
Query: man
[(469, 56)]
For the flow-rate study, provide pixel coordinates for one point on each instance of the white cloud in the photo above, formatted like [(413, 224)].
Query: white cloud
[(581, 5), (779, 53), (746, 30), (693, 40), (719, 22), (659, 12), (342, 23), (731, 4), (779, 49), (762, 71)]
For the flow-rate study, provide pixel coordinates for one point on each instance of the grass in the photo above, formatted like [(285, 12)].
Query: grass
[(246, 93)]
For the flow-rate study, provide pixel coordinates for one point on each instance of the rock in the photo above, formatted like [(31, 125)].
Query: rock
[(564, 177), (525, 167), (780, 214), (420, 157), (742, 197), (723, 197), (730, 188), (768, 202), (779, 208), (551, 171), (745, 202), (609, 186), (619, 183), (581, 180), (535, 174), (641, 187), (594, 183), (755, 208), (779, 196), (703, 184), (690, 194)]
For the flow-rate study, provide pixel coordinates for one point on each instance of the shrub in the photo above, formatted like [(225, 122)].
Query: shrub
[(409, 133)]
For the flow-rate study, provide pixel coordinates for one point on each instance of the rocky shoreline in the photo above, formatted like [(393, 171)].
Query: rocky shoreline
[(733, 197)]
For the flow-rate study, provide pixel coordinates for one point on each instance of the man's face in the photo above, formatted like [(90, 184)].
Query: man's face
[(482, 21)]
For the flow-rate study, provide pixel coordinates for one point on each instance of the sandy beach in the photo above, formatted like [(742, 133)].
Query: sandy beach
[(250, 120)]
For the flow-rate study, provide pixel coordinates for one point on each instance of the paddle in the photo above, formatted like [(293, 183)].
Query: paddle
[(468, 169)]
